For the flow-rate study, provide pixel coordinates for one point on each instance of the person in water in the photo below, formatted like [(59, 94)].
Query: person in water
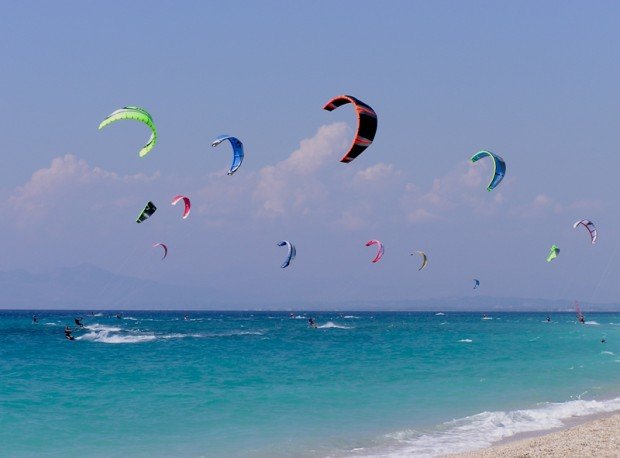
[(35, 319), (311, 322), (78, 322), (68, 333), (603, 340), (582, 319), (548, 319), (119, 316)]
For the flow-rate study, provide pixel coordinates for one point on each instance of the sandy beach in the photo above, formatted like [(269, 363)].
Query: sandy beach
[(596, 438)]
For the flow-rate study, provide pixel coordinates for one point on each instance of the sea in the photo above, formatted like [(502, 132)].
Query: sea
[(266, 384)]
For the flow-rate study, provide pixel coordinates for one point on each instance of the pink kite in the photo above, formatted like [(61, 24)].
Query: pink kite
[(188, 204), (379, 249)]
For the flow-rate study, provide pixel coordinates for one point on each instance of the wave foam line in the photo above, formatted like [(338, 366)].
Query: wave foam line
[(484, 429)]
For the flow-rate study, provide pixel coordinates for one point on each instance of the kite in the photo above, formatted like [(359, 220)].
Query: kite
[(499, 167), (237, 147), (476, 283), (589, 225), (149, 209), (554, 251), (139, 114), (291, 253), (366, 124), (380, 249), (424, 258), (164, 246), (188, 204)]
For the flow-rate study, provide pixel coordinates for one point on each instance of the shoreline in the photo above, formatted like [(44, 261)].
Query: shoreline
[(597, 435)]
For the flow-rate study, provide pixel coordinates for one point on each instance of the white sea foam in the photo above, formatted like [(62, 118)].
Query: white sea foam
[(439, 314), (130, 318), (111, 338), (608, 353), (466, 340), (592, 323), (350, 317), (102, 327), (484, 429), (332, 325), (487, 317)]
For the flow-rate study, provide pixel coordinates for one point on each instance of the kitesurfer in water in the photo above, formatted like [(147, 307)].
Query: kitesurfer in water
[(603, 340), (311, 322), (78, 322), (548, 319), (119, 316), (68, 333), (582, 319), (35, 319)]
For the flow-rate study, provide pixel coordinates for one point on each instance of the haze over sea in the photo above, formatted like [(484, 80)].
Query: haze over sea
[(261, 384)]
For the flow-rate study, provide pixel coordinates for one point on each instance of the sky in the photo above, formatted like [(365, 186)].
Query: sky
[(535, 82)]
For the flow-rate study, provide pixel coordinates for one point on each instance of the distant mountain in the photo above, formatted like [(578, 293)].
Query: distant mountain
[(87, 287), (90, 287)]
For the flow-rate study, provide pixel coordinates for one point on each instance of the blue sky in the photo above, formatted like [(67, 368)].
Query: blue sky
[(536, 82)]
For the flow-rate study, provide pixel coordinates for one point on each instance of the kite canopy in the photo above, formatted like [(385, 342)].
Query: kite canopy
[(164, 246), (424, 258), (499, 167), (186, 201), (139, 114), (291, 253), (366, 124), (149, 209), (476, 283), (589, 225), (380, 249), (554, 251), (237, 147)]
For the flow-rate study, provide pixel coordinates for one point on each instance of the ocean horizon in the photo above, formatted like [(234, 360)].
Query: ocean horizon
[(261, 383)]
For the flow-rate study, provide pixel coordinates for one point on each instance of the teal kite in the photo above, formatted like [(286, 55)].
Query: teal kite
[(499, 167)]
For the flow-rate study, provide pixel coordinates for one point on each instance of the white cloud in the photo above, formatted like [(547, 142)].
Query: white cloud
[(66, 176), (460, 187), (292, 184), (377, 172)]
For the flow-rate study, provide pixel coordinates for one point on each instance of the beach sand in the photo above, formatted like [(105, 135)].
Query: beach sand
[(596, 438)]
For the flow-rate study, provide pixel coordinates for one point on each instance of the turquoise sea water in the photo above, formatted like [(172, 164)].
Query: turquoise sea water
[(265, 384)]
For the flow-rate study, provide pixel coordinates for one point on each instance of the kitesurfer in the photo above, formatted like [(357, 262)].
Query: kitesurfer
[(311, 322), (78, 322), (548, 319), (582, 319), (68, 333), (35, 319), (119, 316), (603, 340)]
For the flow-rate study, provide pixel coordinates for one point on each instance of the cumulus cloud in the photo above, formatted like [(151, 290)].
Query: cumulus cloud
[(460, 187), (292, 184), (376, 173), (65, 176)]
